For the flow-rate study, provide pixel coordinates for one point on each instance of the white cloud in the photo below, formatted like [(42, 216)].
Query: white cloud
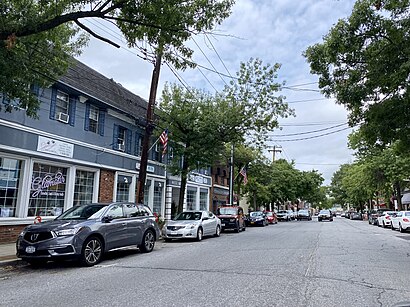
[(275, 31)]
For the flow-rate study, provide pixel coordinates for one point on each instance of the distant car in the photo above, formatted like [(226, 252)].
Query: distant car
[(384, 220), (325, 215), (232, 217), (356, 216), (192, 224), (401, 221), (283, 215), (271, 216), (303, 215), (88, 231), (292, 214), (257, 218)]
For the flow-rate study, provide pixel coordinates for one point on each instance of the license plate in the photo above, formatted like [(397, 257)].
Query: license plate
[(30, 249), (223, 224), (252, 222), (174, 233)]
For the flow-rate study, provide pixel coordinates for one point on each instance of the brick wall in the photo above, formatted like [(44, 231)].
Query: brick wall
[(106, 186), (9, 233)]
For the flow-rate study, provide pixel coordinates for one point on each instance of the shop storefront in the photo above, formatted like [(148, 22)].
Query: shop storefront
[(220, 197)]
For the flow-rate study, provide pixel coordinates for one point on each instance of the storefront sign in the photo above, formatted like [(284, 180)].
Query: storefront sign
[(198, 179), (150, 168), (40, 184), (55, 147)]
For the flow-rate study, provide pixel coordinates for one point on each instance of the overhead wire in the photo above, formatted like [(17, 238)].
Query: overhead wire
[(312, 137), (308, 132)]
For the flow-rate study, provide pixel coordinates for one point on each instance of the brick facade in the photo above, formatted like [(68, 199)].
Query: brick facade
[(106, 192), (9, 233)]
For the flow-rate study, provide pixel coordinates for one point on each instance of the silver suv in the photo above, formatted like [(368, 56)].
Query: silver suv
[(86, 232)]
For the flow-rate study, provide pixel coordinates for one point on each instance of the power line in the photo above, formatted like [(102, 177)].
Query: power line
[(308, 132), (312, 137), (311, 124)]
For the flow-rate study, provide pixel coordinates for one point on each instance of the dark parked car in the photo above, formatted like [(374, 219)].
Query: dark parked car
[(374, 215), (325, 215), (232, 217), (303, 215), (356, 216), (86, 232), (257, 218)]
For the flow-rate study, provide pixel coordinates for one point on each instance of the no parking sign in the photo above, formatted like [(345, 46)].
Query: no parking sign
[(37, 219)]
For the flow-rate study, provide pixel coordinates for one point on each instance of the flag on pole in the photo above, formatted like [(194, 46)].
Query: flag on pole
[(164, 140), (245, 176)]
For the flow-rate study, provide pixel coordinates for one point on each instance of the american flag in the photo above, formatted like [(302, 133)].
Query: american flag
[(164, 140), (245, 176)]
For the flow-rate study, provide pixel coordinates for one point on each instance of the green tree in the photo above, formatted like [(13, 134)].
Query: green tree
[(364, 63), (38, 37)]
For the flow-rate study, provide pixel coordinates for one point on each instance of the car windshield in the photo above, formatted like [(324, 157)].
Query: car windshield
[(188, 216), (324, 211), (269, 214), (227, 211), (255, 214), (303, 211), (82, 212)]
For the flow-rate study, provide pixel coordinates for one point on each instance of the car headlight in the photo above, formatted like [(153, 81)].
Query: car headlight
[(67, 232), (22, 233)]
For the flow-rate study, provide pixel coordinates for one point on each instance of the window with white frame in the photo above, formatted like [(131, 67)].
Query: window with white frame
[(93, 118), (123, 188), (191, 199), (122, 132), (10, 170), (203, 199), (157, 198), (62, 103), (84, 187)]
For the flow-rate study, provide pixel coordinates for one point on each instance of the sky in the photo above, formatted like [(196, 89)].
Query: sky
[(273, 31)]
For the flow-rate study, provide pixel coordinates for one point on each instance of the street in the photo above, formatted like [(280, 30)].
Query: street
[(305, 263)]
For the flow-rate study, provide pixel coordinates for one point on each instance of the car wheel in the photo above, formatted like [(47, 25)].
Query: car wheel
[(92, 251), (244, 227), (218, 231), (148, 242), (401, 228), (392, 228), (199, 234), (384, 225), (238, 228)]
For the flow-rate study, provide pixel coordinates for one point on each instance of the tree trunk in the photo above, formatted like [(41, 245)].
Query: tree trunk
[(398, 195)]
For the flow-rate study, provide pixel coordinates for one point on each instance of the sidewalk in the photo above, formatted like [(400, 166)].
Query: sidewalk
[(8, 254)]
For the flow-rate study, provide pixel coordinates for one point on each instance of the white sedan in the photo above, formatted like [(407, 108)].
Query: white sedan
[(384, 220), (193, 224), (401, 221)]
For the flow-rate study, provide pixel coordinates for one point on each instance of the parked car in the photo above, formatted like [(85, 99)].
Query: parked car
[(401, 221), (192, 224), (374, 215), (292, 214), (356, 215), (257, 218), (88, 231), (232, 217), (325, 215), (283, 215), (271, 216), (384, 220), (304, 214)]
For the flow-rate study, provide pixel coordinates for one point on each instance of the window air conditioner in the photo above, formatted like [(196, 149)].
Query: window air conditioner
[(63, 117), (121, 147)]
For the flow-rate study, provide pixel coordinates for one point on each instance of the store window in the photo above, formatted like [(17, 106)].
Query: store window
[(123, 187), (203, 199), (10, 170), (48, 188), (191, 199), (157, 198), (84, 187), (146, 192), (93, 118)]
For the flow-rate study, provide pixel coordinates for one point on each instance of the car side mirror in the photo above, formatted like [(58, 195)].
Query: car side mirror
[(107, 219)]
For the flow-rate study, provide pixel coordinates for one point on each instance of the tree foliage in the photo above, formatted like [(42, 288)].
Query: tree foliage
[(38, 37), (364, 62)]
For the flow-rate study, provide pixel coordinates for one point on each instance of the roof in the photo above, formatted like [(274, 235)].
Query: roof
[(94, 85)]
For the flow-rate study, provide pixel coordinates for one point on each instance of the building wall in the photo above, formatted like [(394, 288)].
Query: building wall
[(9, 233), (107, 179)]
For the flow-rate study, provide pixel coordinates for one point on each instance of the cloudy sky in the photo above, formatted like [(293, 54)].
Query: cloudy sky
[(274, 31)]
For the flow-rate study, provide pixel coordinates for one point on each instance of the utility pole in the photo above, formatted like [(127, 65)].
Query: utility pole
[(148, 130), (231, 179), (275, 150)]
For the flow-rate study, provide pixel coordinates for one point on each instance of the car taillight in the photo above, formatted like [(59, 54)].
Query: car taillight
[(387, 217), (405, 220)]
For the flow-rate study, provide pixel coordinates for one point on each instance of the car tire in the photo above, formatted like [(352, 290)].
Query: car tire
[(92, 251), (392, 228), (148, 242), (384, 225), (238, 228), (218, 231), (199, 234), (244, 227), (401, 229)]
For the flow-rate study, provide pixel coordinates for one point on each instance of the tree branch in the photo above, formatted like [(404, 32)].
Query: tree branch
[(96, 35)]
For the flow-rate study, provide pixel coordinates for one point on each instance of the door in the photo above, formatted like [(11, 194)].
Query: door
[(115, 229), (135, 223)]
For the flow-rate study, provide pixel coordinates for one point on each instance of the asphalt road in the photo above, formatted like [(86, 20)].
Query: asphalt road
[(340, 263)]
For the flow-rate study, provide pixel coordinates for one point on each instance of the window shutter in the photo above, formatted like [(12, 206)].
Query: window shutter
[(73, 105), (87, 117), (137, 141), (53, 103), (129, 141), (101, 122), (115, 137)]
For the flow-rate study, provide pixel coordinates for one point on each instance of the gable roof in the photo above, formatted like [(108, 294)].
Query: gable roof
[(94, 85)]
